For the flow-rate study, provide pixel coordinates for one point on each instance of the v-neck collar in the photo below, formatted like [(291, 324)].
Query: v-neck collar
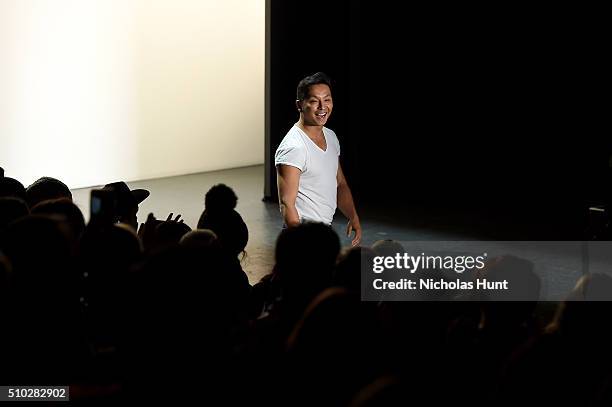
[(315, 144)]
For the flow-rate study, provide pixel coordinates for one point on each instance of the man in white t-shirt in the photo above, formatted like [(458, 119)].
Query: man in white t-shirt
[(310, 180)]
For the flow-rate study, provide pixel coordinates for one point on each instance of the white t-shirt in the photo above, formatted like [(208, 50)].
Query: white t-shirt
[(316, 198)]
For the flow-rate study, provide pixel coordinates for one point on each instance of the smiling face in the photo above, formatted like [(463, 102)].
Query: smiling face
[(317, 106)]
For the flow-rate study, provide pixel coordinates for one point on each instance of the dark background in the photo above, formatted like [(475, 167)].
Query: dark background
[(304, 38), (490, 114)]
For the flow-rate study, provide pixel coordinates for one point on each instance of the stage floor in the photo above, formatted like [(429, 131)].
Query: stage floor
[(185, 195)]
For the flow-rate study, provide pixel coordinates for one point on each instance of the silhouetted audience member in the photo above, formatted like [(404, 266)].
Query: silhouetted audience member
[(184, 311), (352, 265), (335, 331), (68, 212), (221, 217), (106, 256), (43, 289), (126, 202), (203, 238), (391, 248), (522, 281), (11, 209), (10, 187), (388, 247), (142, 316), (157, 235), (46, 188), (570, 362), (170, 233), (110, 252), (38, 248), (481, 343), (305, 260)]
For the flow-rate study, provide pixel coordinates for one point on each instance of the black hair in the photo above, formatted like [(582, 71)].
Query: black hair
[(307, 82), (46, 188)]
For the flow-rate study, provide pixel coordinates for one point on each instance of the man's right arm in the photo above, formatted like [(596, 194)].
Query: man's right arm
[(288, 180)]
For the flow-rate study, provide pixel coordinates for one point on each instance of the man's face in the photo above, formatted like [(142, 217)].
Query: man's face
[(317, 106)]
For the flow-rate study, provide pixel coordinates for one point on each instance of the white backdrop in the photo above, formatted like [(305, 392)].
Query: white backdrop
[(92, 91)]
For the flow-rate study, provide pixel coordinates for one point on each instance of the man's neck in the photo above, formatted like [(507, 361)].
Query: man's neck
[(314, 132)]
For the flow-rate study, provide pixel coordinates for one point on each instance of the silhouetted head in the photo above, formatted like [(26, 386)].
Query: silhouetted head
[(199, 238), (46, 188), (11, 209), (388, 247), (10, 187), (43, 288), (185, 302), (39, 251), (221, 217), (516, 304), (328, 324), (220, 197), (110, 251), (523, 283), (126, 202), (350, 267), (68, 210), (170, 233), (335, 331), (305, 258)]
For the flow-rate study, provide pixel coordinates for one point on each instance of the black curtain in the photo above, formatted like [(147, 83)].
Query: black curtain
[(303, 38)]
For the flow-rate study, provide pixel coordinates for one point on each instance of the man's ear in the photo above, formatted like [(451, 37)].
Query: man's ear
[(298, 105)]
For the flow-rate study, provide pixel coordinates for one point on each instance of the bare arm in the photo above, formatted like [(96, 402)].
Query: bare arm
[(347, 207), (288, 180)]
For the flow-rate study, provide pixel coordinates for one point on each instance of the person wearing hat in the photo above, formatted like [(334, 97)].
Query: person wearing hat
[(126, 202)]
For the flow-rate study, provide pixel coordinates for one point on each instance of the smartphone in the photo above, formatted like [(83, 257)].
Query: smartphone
[(102, 205)]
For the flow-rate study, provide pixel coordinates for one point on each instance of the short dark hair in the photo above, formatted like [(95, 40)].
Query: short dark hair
[(46, 188), (307, 82)]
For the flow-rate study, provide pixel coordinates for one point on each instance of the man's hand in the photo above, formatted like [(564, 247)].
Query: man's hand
[(354, 226), (347, 207)]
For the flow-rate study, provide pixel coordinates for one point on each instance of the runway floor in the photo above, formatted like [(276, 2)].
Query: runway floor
[(185, 195)]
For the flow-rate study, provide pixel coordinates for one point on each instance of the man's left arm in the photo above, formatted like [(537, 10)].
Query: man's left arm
[(347, 207)]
